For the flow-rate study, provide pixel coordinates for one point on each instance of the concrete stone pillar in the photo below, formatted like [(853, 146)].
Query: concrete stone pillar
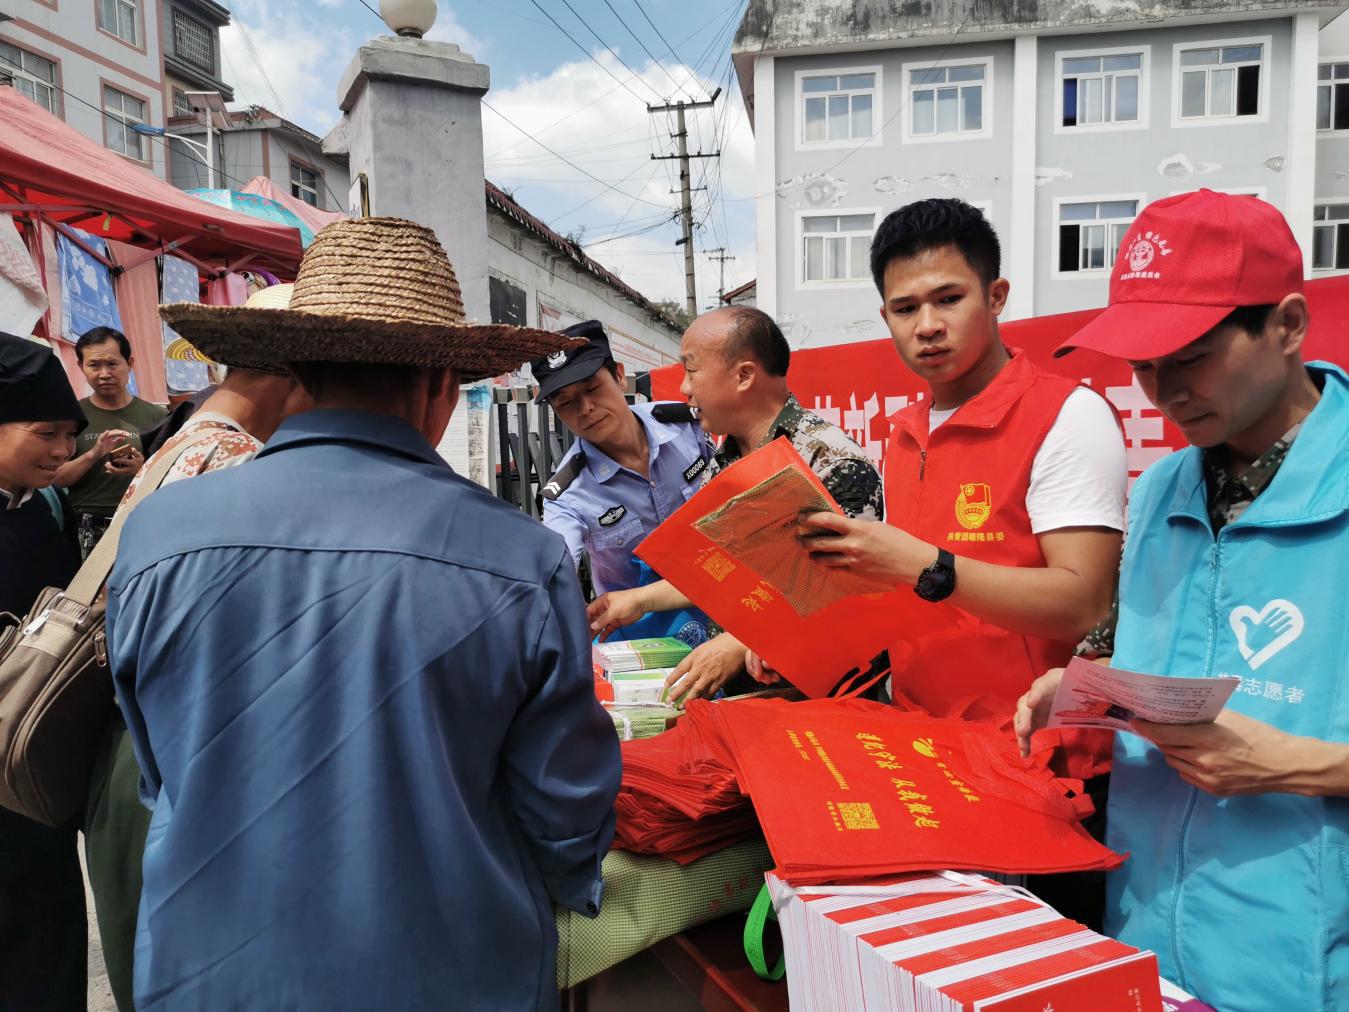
[(412, 116)]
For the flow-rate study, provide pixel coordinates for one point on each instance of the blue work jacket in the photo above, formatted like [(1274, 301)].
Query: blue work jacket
[(360, 693)]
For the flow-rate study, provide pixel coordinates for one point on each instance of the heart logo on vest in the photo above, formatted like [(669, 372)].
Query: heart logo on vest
[(1262, 634)]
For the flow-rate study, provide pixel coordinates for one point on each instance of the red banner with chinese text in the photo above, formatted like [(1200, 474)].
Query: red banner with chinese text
[(858, 386)]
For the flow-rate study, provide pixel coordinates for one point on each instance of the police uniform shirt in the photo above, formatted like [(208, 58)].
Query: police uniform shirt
[(607, 510)]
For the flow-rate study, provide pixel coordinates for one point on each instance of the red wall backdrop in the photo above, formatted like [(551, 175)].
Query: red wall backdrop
[(858, 386)]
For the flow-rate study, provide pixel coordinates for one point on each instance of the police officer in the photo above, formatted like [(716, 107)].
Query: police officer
[(629, 469)]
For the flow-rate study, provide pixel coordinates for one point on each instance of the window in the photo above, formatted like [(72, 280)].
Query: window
[(1330, 237), (1101, 89), (304, 183), (836, 247), (1332, 96), (34, 77), (1090, 233), (181, 106), (123, 112), (946, 100), (194, 42), (118, 17), (838, 107), (1220, 82)]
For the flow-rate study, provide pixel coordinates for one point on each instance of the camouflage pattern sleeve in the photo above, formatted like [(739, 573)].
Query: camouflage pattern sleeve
[(1099, 643), (855, 486)]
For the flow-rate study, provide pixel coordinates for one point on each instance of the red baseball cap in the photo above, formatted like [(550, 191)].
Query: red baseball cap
[(1185, 263)]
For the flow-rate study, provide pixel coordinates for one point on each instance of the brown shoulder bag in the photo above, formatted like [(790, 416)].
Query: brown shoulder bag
[(56, 695)]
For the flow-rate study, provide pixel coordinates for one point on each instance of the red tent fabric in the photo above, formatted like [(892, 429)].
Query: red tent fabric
[(50, 168)]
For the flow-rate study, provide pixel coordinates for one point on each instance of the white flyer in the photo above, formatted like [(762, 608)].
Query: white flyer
[(1093, 695)]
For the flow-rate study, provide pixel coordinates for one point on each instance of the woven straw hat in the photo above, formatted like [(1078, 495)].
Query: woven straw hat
[(370, 290)]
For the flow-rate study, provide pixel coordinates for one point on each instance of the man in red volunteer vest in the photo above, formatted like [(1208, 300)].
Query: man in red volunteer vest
[(1004, 493)]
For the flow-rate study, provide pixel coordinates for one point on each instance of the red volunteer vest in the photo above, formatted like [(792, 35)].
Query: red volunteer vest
[(963, 488)]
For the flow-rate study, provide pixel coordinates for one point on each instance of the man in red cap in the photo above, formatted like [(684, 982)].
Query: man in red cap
[(1239, 828)]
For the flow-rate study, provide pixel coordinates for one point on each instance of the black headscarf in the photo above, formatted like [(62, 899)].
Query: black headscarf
[(33, 386)]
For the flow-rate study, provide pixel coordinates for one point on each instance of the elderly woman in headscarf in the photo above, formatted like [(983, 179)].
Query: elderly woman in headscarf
[(43, 931)]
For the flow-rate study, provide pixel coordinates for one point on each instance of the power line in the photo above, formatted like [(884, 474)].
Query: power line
[(589, 54), (669, 48), (253, 53), (608, 186), (189, 152), (641, 43), (629, 235), (603, 95)]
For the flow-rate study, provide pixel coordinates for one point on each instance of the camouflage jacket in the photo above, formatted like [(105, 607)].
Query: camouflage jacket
[(1230, 493), (837, 461)]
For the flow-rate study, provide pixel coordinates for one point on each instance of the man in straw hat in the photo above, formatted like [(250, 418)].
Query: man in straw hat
[(1238, 828), (358, 686), (227, 429)]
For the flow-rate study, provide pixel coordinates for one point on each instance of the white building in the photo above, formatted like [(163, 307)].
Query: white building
[(106, 66), (538, 278), (258, 142), (1059, 119)]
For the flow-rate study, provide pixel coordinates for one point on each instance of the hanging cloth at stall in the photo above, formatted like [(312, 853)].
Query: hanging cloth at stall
[(137, 289), (184, 366), (23, 299), (87, 297), (230, 290)]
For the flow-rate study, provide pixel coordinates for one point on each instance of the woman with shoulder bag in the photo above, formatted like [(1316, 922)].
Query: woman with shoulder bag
[(43, 928)]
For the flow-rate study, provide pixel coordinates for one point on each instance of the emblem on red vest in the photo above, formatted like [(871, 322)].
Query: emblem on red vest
[(973, 505)]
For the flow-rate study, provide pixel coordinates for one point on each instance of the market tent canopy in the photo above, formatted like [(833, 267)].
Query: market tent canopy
[(307, 213), (49, 169)]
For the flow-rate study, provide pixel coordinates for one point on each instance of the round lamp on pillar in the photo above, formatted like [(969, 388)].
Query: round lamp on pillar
[(409, 18)]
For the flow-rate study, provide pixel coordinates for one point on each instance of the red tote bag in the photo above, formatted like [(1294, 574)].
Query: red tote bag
[(851, 789)]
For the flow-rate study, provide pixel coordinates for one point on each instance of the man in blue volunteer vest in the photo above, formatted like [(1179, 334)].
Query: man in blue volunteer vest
[(1238, 829), (630, 467)]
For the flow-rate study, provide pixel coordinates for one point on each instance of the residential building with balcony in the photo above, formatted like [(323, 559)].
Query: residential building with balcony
[(98, 64), (1060, 120), (192, 58)]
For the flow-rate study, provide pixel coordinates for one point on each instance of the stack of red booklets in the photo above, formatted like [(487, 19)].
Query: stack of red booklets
[(950, 942), (851, 789), (679, 797)]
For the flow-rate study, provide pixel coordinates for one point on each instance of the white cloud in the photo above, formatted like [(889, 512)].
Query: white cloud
[(608, 132), (277, 58), (448, 29), (304, 56)]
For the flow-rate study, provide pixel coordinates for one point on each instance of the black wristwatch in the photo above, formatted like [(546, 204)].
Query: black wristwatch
[(938, 580)]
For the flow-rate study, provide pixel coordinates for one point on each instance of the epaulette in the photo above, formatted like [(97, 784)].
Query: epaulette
[(564, 476), (673, 412)]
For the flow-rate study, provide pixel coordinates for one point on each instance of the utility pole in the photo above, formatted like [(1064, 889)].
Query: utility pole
[(685, 190), (721, 256)]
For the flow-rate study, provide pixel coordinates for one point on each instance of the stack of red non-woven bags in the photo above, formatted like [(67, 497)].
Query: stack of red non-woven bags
[(679, 798), (851, 789)]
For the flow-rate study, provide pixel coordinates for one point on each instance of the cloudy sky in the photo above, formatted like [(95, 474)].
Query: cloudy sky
[(585, 99)]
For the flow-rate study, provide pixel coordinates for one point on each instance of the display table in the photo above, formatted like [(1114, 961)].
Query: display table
[(648, 899), (709, 960)]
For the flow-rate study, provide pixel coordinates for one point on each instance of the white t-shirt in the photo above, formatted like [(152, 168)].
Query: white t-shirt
[(1080, 475)]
